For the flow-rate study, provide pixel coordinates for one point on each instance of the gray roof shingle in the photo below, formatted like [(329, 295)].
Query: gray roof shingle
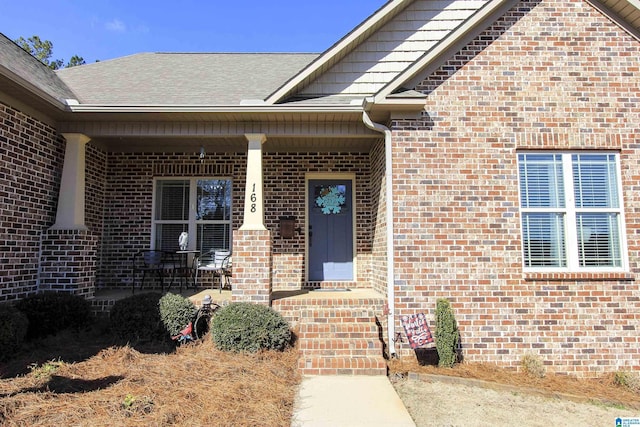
[(20, 65), (183, 78)]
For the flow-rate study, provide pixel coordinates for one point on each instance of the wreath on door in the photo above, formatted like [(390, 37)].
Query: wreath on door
[(331, 200)]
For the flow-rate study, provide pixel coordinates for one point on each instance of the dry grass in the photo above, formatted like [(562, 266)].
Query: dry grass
[(602, 389), (89, 381), (196, 385)]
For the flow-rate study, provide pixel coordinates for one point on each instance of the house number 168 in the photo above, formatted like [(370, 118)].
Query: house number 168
[(253, 198)]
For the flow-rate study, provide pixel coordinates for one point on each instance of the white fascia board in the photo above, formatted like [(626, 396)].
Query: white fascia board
[(477, 18), (94, 108), (392, 7)]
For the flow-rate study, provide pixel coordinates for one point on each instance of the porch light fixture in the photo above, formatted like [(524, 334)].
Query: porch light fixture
[(202, 154)]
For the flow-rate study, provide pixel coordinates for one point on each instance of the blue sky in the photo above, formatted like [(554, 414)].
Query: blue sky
[(103, 29)]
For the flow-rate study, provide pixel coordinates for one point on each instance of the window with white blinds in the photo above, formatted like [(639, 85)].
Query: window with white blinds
[(199, 206), (571, 211)]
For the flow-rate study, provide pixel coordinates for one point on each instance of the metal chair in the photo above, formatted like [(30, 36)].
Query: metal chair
[(217, 261), (154, 262)]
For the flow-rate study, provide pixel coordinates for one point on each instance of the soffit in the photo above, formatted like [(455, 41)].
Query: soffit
[(285, 131), (235, 144), (625, 12)]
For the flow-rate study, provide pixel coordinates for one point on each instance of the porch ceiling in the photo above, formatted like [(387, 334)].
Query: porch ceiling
[(233, 144), (225, 131)]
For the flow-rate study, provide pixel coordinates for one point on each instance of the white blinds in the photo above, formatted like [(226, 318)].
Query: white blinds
[(545, 181)]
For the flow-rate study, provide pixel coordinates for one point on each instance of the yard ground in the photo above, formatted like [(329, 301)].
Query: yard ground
[(73, 379), (483, 395)]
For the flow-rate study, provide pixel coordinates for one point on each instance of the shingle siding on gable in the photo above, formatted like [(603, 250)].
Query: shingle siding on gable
[(390, 50), (549, 75)]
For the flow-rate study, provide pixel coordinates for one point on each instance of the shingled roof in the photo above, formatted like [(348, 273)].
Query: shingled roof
[(183, 78), (25, 71)]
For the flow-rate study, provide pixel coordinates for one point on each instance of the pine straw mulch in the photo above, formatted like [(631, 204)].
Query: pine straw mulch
[(195, 385), (603, 389), (87, 380)]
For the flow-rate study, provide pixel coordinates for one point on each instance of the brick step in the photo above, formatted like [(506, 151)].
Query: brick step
[(342, 365), (309, 345), (339, 341), (359, 327), (348, 315), (344, 352), (293, 310)]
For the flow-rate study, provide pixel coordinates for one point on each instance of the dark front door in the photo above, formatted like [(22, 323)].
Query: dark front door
[(330, 237)]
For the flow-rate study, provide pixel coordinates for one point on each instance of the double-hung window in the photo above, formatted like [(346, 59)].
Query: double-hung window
[(199, 206), (571, 210)]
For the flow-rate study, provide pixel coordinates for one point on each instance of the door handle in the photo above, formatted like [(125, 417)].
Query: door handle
[(310, 235)]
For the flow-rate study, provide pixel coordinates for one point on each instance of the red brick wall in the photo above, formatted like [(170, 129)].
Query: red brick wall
[(31, 157), (378, 277), (552, 75), (252, 271), (68, 262)]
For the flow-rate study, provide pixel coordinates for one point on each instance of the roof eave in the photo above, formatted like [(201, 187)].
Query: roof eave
[(33, 89), (250, 109)]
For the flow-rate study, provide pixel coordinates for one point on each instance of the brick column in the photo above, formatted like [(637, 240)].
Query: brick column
[(68, 249), (68, 262), (252, 266), (252, 242)]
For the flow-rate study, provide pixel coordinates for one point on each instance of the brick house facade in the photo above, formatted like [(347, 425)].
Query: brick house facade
[(509, 78), (525, 83)]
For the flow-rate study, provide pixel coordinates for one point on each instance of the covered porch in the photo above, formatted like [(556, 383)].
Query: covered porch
[(114, 166), (275, 164)]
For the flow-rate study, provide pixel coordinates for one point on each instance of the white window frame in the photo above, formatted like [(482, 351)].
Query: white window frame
[(192, 222), (570, 213)]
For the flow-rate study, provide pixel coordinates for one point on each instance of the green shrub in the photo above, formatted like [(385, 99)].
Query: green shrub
[(137, 318), (447, 334), (50, 313), (247, 327), (13, 330), (532, 365), (176, 312)]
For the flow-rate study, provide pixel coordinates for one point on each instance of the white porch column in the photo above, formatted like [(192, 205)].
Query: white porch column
[(253, 198), (70, 214)]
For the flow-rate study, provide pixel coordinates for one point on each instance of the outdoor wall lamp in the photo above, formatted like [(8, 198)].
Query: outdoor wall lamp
[(202, 153)]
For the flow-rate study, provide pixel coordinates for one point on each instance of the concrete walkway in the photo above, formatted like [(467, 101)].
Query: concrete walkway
[(349, 401)]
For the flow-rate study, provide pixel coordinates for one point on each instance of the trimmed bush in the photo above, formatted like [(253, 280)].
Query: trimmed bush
[(447, 334), (13, 330), (50, 313), (176, 312), (137, 318), (248, 327)]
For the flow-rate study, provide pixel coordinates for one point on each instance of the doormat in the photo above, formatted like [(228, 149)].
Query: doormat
[(331, 290)]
